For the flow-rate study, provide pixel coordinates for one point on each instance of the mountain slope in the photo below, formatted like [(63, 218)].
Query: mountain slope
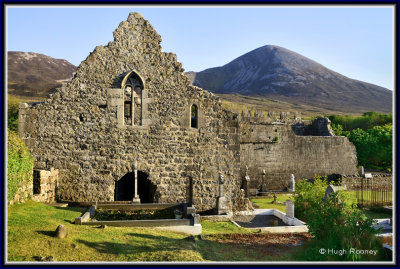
[(277, 73), (36, 75)]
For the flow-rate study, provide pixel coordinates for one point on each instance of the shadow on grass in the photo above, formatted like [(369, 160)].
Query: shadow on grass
[(139, 243), (72, 208), (48, 233), (147, 245)]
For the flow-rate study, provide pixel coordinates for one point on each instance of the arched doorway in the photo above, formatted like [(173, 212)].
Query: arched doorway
[(125, 188), (146, 189)]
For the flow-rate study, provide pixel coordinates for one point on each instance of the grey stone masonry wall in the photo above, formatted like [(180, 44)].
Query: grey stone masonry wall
[(80, 129), (45, 185), (378, 180), (271, 145), (130, 102)]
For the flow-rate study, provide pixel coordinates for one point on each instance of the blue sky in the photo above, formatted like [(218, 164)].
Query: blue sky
[(354, 41)]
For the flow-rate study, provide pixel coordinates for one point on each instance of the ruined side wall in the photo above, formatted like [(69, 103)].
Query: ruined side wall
[(378, 180), (274, 147), (78, 131)]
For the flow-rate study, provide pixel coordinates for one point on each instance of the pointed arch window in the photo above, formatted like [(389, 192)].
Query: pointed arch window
[(194, 117), (132, 86)]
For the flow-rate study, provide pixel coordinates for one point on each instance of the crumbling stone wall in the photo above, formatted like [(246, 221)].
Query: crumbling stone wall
[(23, 193), (380, 180), (80, 129), (84, 131), (45, 185), (269, 143)]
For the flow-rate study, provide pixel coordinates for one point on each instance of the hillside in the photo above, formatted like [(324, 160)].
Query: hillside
[(277, 73), (33, 75)]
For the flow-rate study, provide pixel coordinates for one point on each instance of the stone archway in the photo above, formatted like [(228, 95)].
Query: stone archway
[(125, 188), (146, 189)]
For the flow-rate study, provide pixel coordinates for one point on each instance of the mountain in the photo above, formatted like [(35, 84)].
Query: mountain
[(36, 75), (277, 73)]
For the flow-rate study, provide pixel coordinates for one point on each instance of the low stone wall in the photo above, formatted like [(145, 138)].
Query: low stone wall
[(378, 179), (24, 192), (45, 185)]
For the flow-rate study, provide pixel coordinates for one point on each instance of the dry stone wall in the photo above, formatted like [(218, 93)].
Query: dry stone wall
[(80, 129)]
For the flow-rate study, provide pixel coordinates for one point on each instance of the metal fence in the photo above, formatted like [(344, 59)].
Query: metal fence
[(372, 193)]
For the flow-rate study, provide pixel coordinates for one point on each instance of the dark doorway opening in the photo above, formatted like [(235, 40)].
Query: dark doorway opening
[(146, 189), (125, 188)]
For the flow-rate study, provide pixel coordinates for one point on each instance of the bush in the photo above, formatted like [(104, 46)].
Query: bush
[(371, 134), (337, 224), (374, 146), (367, 121), (12, 113), (308, 194), (19, 164)]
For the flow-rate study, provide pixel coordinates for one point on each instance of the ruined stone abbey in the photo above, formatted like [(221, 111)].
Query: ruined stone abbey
[(130, 108)]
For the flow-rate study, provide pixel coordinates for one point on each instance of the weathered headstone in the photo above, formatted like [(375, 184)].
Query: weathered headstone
[(290, 208), (221, 204), (332, 189), (362, 171), (61, 231)]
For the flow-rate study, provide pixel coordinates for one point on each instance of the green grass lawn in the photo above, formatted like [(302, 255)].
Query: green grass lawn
[(31, 229), (266, 202)]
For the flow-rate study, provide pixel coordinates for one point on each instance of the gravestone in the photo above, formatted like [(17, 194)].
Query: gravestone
[(332, 189), (61, 231), (290, 208), (221, 204)]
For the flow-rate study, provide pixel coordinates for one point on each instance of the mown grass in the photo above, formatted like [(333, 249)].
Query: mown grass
[(266, 202), (31, 229)]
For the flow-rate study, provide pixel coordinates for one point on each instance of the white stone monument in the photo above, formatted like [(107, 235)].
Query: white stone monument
[(136, 198), (292, 183)]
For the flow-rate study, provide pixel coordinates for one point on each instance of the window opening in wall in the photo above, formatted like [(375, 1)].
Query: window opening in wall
[(194, 117), (133, 89), (36, 182)]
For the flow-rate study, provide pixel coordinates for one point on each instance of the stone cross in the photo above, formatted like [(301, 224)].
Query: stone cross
[(136, 196)]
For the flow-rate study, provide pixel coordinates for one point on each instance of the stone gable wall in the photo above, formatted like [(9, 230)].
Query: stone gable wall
[(77, 130)]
